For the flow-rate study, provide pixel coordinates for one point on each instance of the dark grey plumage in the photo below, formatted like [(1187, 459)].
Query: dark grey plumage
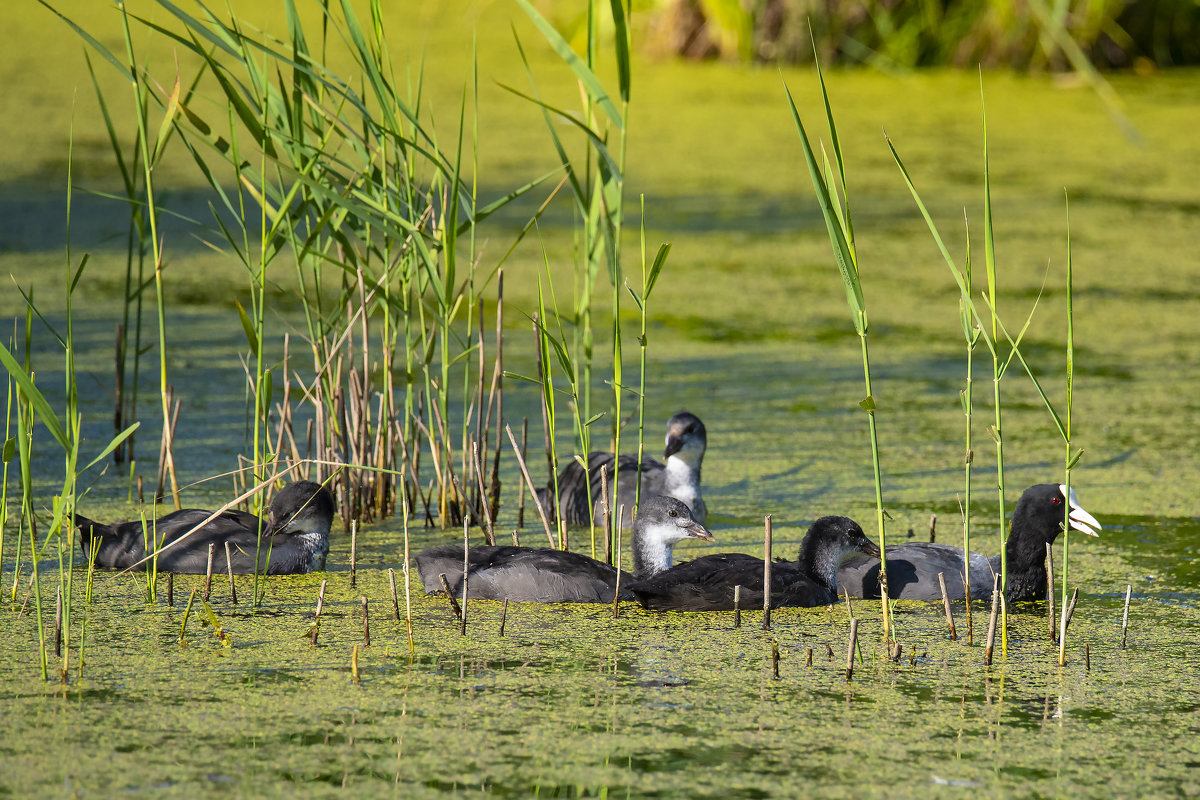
[(679, 477), (543, 575), (707, 584), (913, 568), (295, 536)]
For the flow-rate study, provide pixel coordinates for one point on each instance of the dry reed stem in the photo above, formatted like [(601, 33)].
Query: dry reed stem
[(353, 552), (450, 595), (606, 514), (933, 527), (946, 605), (212, 546), (766, 621), (775, 657), (395, 600), (229, 569), (489, 535), (320, 605), (1125, 614), (1066, 622), (503, 617), (1050, 590), (366, 622), (991, 632), (850, 648), (529, 484), (737, 606)]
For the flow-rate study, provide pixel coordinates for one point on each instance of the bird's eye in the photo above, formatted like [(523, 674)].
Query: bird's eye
[(1055, 500), (673, 513)]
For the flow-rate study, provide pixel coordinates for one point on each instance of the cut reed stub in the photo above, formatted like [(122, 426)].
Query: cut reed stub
[(766, 622), (208, 572), (810, 656), (354, 665), (353, 552), (366, 622), (1050, 592), (58, 622), (229, 569), (991, 632), (850, 648), (171, 589), (737, 606), (1125, 614), (946, 606), (503, 617), (395, 599), (775, 657), (1068, 612), (450, 595), (320, 605)]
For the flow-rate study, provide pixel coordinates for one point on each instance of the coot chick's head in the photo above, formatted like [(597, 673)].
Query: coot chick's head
[(662, 522), (687, 438), (304, 512), (828, 541)]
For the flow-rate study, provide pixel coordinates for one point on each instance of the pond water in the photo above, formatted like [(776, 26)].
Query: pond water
[(750, 331)]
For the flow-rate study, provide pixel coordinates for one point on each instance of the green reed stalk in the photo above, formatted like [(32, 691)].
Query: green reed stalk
[(989, 254), (650, 275), (1069, 458), (971, 333), (836, 211)]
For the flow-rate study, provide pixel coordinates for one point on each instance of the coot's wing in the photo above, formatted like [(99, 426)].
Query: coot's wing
[(523, 574), (189, 553), (912, 573), (703, 584)]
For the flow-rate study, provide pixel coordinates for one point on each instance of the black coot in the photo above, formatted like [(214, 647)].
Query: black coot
[(295, 536), (543, 575), (707, 583), (687, 440), (913, 568)]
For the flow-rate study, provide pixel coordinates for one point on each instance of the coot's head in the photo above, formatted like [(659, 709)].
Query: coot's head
[(301, 507), (1040, 513), (667, 520), (686, 437), (846, 533)]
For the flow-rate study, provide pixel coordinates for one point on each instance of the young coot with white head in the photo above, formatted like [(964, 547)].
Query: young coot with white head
[(913, 568), (687, 440), (295, 536), (543, 575), (707, 583)]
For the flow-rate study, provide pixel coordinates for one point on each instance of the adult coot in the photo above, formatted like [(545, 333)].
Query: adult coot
[(295, 536), (543, 575), (913, 568), (707, 583), (679, 477)]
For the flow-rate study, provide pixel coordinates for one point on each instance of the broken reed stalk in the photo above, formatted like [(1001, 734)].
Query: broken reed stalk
[(503, 617), (407, 582), (809, 662), (450, 595), (766, 623), (849, 605), (991, 634), (946, 605), (58, 621), (1125, 615), (775, 656), (229, 568), (208, 571), (171, 589), (737, 606), (617, 587), (1050, 590), (521, 495), (366, 623), (395, 600), (850, 649), (1068, 611), (462, 620), (1087, 657), (353, 551), (320, 605), (933, 527), (606, 514), (529, 484), (354, 664), (186, 613), (489, 535)]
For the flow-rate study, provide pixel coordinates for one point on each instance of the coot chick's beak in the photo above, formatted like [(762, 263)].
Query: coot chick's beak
[(870, 548), (697, 531), (1081, 520)]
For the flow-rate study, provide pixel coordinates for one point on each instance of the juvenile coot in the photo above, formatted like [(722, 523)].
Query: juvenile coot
[(543, 575), (295, 536), (678, 478), (913, 568), (706, 584)]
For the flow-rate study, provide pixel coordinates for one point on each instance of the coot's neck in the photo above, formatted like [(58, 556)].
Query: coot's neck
[(650, 554), (683, 470), (1026, 556), (819, 562)]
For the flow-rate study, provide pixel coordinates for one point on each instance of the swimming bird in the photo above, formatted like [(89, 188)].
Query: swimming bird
[(707, 583), (687, 440), (543, 575), (913, 568), (295, 536)]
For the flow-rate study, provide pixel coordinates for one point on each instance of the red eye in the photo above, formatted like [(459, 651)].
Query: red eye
[(1055, 500)]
